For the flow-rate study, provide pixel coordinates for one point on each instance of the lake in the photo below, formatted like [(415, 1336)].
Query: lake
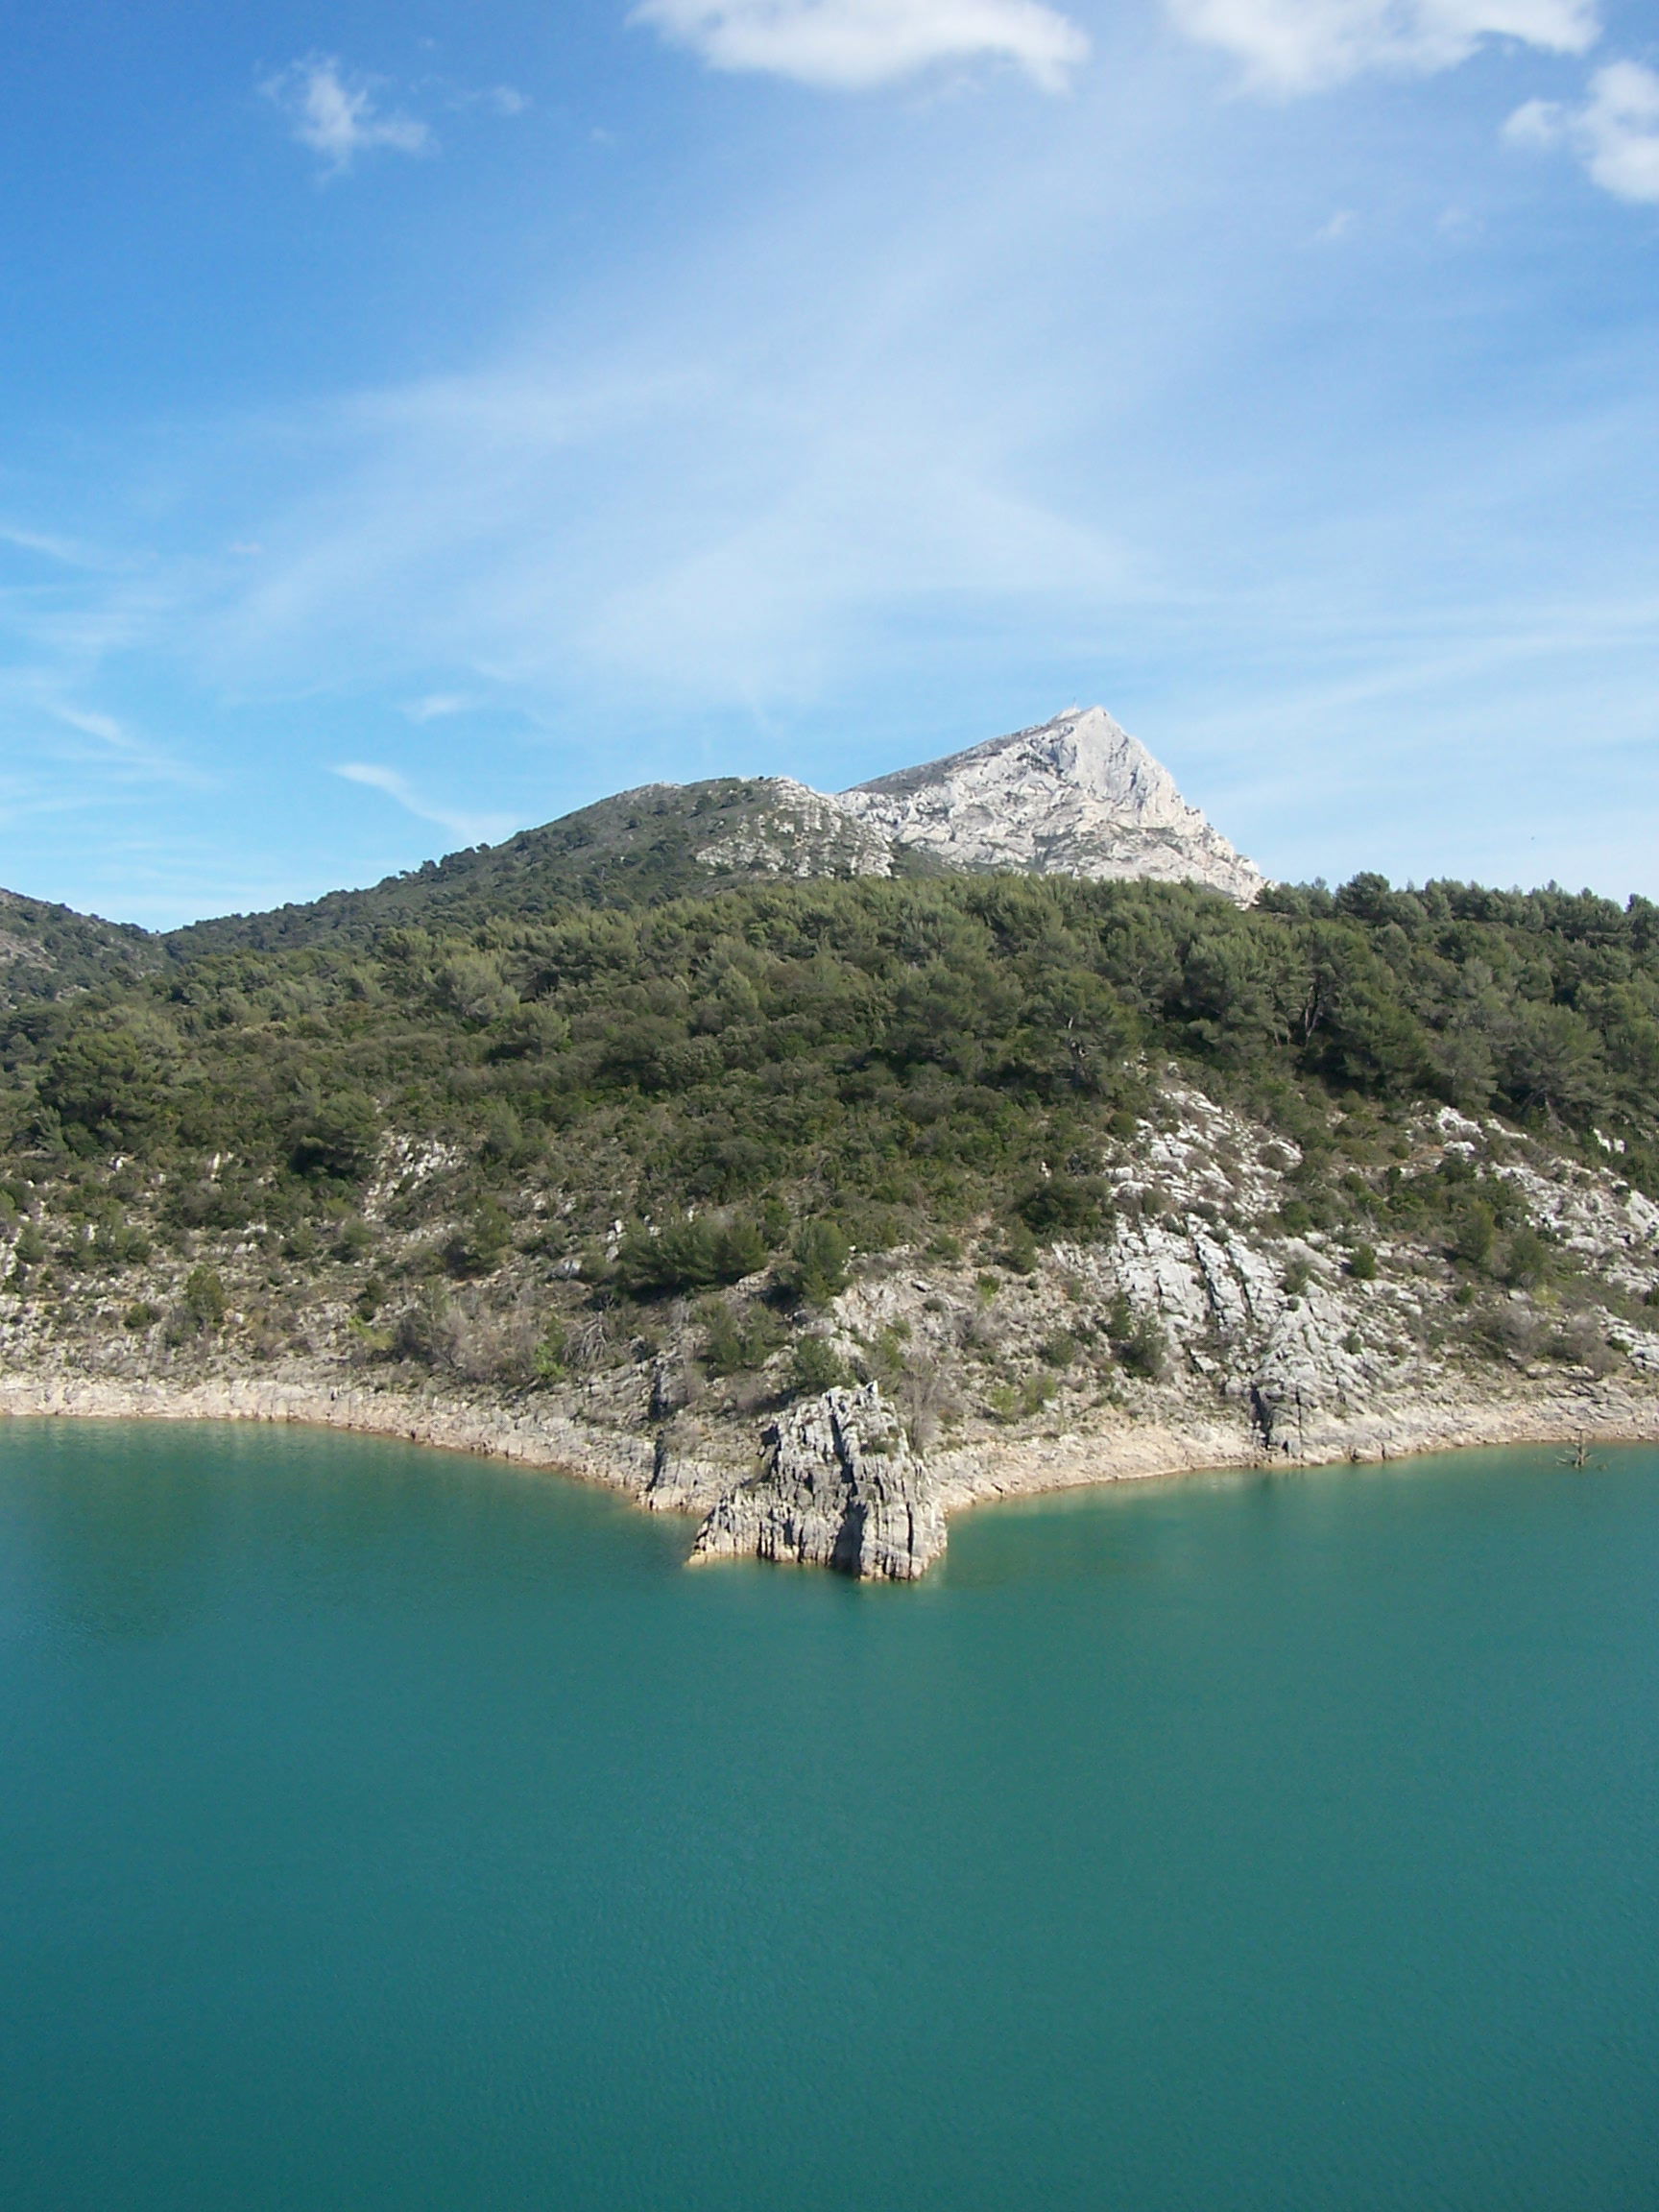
[(381, 1828)]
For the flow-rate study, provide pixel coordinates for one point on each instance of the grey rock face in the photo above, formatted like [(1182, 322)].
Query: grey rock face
[(1076, 796), (838, 1487)]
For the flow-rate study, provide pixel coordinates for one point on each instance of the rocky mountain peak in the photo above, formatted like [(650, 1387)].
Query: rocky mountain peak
[(1073, 796)]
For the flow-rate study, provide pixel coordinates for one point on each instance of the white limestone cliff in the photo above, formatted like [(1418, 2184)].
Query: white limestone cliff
[(1074, 796)]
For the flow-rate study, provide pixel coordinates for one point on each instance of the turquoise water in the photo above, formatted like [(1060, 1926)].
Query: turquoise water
[(381, 1829)]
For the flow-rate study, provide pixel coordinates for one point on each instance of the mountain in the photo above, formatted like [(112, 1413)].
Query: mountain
[(1076, 796), (661, 841)]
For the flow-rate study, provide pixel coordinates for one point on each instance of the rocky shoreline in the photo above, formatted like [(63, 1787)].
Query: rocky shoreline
[(1208, 1327), (836, 1483)]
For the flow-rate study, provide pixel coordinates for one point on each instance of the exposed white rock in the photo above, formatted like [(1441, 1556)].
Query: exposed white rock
[(838, 1487), (1076, 796), (801, 832)]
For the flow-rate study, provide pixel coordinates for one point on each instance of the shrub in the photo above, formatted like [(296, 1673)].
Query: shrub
[(821, 1257), (1474, 1234), (469, 1336), (354, 1240), (204, 1299), (1508, 1329), (688, 1255), (1362, 1264), (337, 1137), (1067, 1206), (1578, 1339), (816, 1366), (740, 1250), (1527, 1259), (1138, 1342), (548, 1358), (1019, 1249), (29, 1249), (479, 1248), (925, 1396), (722, 1339), (1019, 1401)]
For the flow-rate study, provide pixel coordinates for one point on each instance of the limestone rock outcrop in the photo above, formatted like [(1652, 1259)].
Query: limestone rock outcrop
[(1074, 796), (838, 1487), (798, 832)]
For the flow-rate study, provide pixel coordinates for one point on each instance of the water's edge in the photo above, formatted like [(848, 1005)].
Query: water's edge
[(1571, 1413)]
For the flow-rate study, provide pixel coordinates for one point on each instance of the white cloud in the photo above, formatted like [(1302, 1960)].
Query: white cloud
[(1305, 45), (338, 116), (852, 45), (472, 829), (1615, 132), (436, 705)]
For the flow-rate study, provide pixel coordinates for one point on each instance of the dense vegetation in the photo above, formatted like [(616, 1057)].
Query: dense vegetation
[(637, 849), (886, 1056), (49, 951)]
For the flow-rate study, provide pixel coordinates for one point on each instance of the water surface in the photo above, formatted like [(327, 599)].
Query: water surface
[(385, 1829)]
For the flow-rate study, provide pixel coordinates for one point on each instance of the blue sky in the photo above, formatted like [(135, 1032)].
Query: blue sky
[(420, 421)]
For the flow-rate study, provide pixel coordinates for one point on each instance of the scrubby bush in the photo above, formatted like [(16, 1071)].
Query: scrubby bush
[(335, 1137), (480, 1245), (1527, 1260), (1138, 1342), (688, 1255), (1019, 1250), (1062, 1205), (734, 1343), (821, 1257), (815, 1366), (203, 1298)]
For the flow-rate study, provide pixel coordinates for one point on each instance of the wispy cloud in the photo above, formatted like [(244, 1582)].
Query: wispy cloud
[(437, 705), (1290, 46), (855, 45), (338, 115), (470, 828), (64, 550), (1615, 132), (115, 747)]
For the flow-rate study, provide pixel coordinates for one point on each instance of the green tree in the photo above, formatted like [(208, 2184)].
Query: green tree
[(336, 1138), (816, 1366), (821, 1257), (203, 1298)]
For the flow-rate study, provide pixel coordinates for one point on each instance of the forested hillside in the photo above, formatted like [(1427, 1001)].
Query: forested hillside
[(891, 1054), (49, 951), (637, 849)]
